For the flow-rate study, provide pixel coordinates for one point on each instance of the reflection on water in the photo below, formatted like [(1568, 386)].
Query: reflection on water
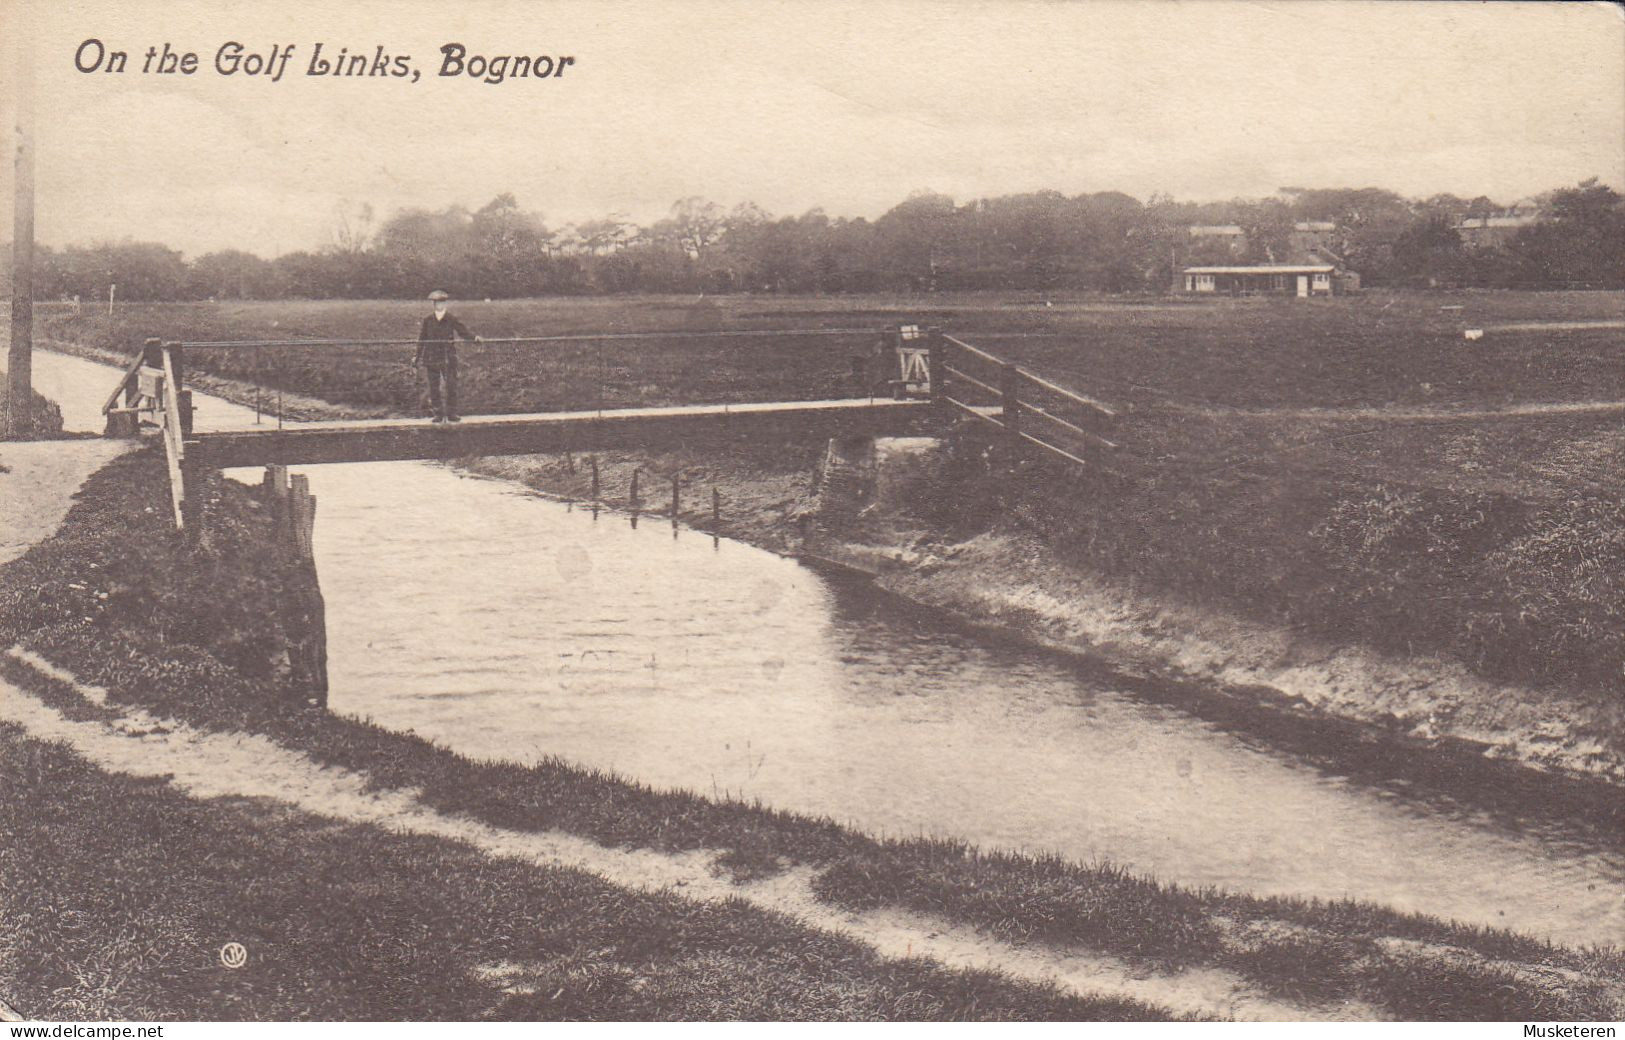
[(508, 626)]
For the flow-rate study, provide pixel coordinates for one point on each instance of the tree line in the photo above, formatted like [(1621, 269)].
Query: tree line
[(1039, 241)]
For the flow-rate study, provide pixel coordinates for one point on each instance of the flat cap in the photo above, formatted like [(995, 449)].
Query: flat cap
[(440, 294)]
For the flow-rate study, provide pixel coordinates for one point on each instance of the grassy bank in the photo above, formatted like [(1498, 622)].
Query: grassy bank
[(44, 420), (120, 893), (1407, 965)]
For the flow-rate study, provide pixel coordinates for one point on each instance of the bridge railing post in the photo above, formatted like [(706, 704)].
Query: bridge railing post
[(177, 365), (937, 361), (1010, 401)]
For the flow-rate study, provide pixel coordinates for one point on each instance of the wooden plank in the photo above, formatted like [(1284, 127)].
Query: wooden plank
[(149, 381), (975, 352), (634, 428), (1052, 448), (973, 381), (172, 409), (1033, 409), (976, 413), (177, 485), (1009, 399), (1071, 395), (124, 381)]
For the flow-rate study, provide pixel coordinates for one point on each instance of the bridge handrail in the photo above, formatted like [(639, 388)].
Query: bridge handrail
[(976, 413), (1071, 395), (566, 338), (174, 437), (1014, 399), (124, 383)]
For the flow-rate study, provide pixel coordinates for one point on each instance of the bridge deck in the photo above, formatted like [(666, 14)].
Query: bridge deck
[(365, 440)]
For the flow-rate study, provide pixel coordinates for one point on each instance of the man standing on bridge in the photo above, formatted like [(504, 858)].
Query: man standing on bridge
[(437, 353)]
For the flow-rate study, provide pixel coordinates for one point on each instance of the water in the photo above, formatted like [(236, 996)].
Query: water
[(505, 625)]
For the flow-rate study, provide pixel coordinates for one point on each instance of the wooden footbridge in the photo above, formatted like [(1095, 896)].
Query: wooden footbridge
[(938, 381)]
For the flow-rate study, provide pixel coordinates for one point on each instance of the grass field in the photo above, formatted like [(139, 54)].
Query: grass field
[(1308, 462), (1181, 365), (1371, 350)]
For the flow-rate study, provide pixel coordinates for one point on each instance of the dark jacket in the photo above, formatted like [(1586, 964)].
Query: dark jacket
[(437, 340)]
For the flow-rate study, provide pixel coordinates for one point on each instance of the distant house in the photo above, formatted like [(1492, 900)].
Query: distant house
[(1308, 235), (1306, 266), (1281, 279), (1497, 229), (1229, 236)]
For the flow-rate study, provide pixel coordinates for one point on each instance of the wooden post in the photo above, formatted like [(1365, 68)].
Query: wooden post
[(1010, 413), (937, 362), (592, 460), (635, 473), (569, 462), (20, 359), (676, 500), (716, 506), (273, 487), (304, 612)]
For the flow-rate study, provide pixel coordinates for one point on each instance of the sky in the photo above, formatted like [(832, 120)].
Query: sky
[(846, 106)]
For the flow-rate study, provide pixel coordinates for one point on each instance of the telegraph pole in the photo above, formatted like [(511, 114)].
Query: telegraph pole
[(20, 360)]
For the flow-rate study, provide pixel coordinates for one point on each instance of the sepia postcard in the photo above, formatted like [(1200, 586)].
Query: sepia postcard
[(812, 510)]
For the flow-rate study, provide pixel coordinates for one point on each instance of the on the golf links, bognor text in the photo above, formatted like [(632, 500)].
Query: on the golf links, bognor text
[(236, 59)]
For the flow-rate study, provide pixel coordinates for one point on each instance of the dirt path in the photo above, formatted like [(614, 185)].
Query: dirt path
[(208, 765), (38, 480), (1411, 414), (1542, 326)]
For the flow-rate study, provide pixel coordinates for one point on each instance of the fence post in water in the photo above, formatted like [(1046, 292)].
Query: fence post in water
[(592, 460), (716, 507), (569, 462), (635, 473), (676, 499)]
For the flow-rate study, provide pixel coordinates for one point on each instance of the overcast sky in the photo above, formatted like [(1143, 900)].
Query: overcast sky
[(845, 106)]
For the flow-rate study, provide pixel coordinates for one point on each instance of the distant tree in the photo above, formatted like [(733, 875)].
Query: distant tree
[(1429, 253), (695, 223), (232, 274), (509, 249), (353, 227), (1580, 243), (1268, 226), (911, 239)]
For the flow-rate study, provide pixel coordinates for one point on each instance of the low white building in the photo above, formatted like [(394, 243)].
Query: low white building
[(1280, 279)]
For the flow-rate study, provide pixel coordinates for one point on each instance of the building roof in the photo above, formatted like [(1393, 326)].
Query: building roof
[(1265, 269), (1523, 220)]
